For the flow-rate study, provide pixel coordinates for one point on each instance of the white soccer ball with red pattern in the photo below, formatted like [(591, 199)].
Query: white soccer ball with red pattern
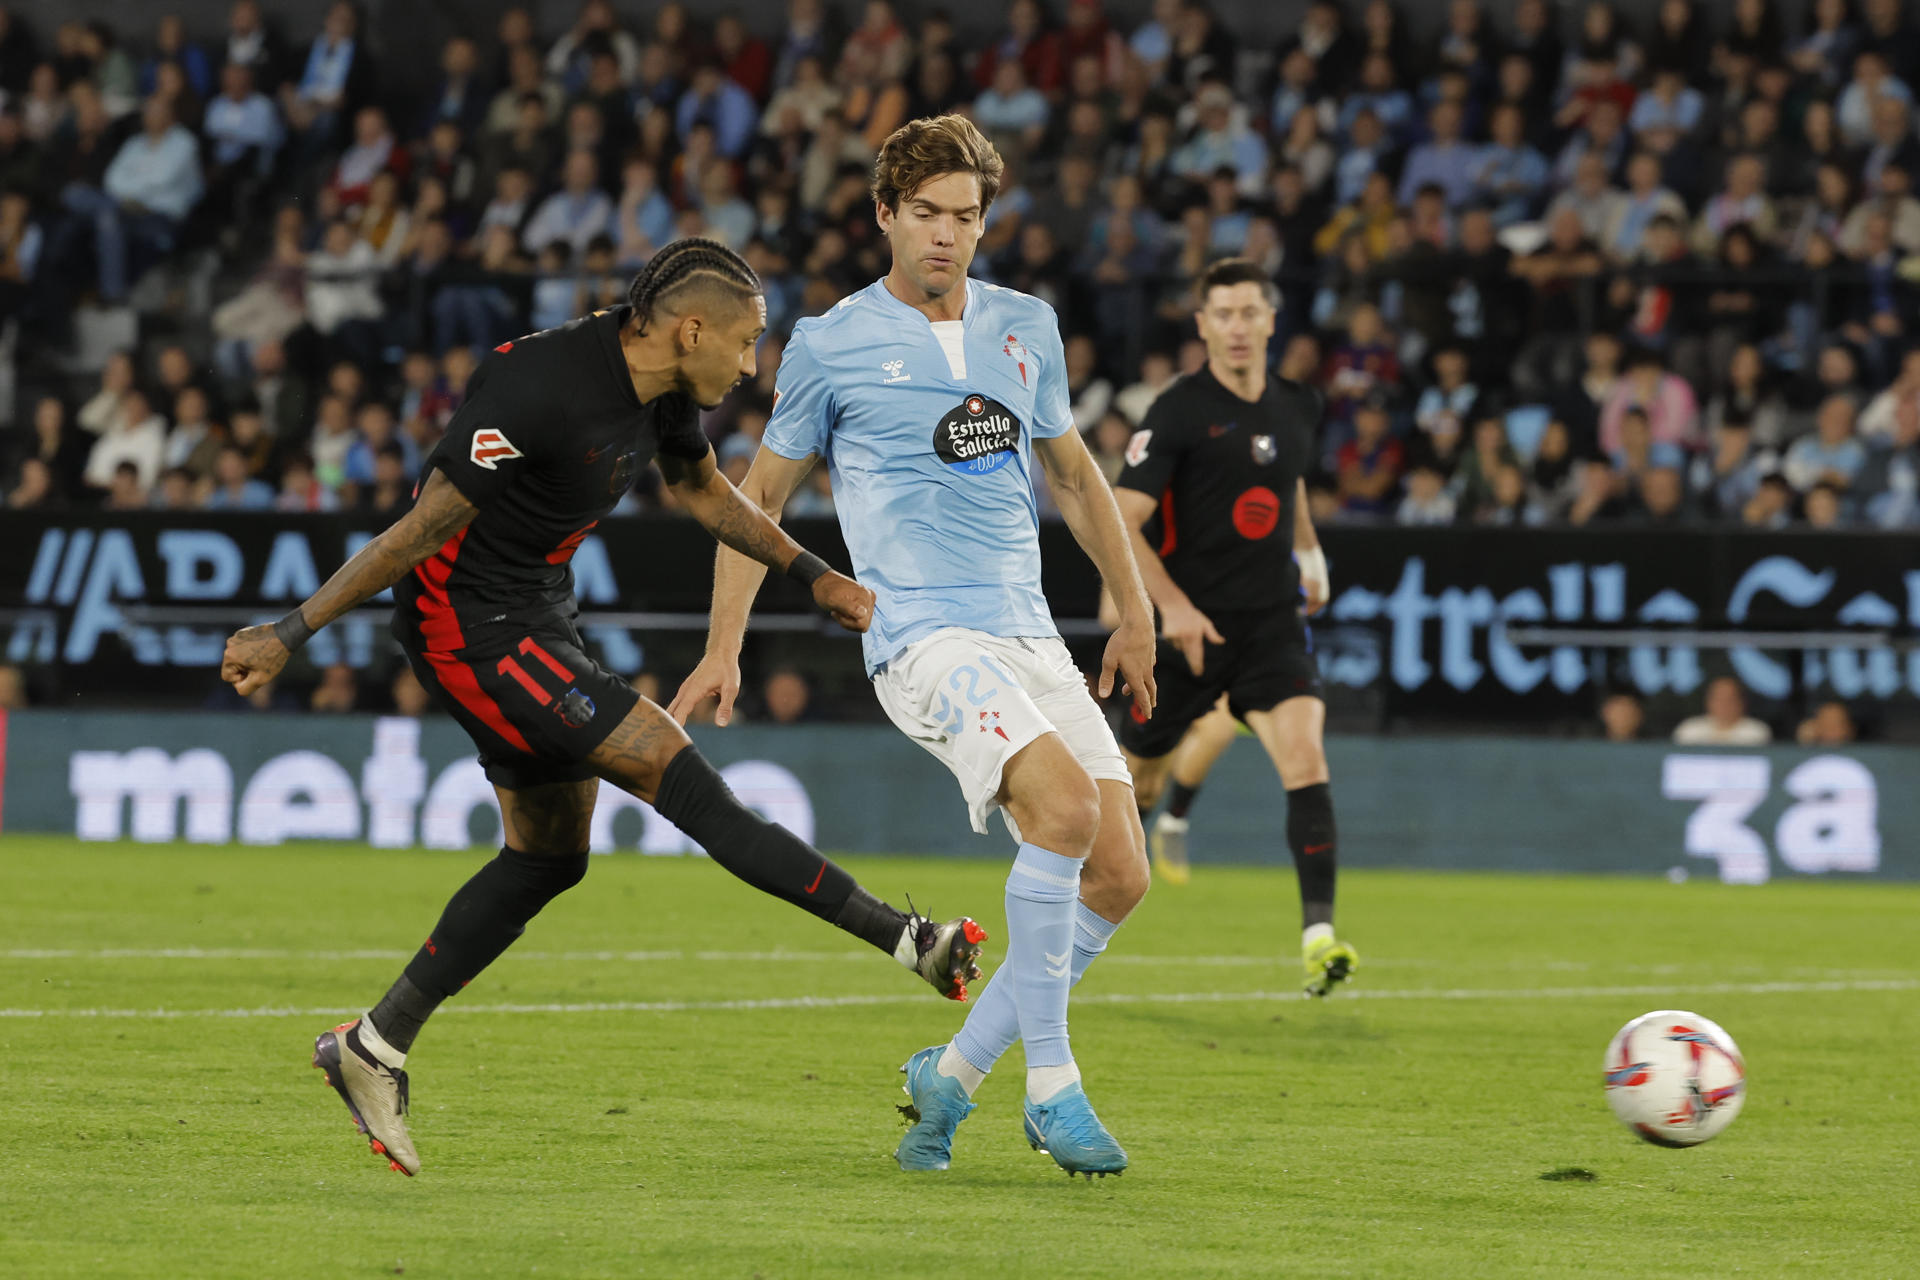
[(1675, 1078)]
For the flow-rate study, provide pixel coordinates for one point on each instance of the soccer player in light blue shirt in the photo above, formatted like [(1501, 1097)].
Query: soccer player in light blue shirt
[(930, 397)]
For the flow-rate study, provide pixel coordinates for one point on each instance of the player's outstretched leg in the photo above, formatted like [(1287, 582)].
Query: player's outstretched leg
[(1201, 747), (365, 1059), (1291, 733), (652, 757)]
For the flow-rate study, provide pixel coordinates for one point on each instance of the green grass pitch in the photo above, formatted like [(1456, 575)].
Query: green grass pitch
[(601, 1103)]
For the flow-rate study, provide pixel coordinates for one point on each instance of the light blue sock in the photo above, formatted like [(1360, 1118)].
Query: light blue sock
[(994, 1024), (1042, 889)]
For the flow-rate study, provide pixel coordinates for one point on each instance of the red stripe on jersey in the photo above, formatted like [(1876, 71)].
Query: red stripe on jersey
[(508, 667), (504, 347), (457, 678), (564, 552), (439, 623), (1169, 536), (531, 647)]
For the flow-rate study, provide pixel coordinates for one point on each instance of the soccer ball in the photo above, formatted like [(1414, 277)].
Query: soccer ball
[(1674, 1078)]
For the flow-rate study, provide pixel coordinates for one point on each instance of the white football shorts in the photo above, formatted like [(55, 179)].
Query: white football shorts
[(975, 700)]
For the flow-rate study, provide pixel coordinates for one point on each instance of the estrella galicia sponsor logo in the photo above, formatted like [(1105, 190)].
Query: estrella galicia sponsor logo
[(977, 436)]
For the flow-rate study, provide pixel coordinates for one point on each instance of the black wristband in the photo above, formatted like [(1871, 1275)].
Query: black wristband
[(292, 631), (808, 568)]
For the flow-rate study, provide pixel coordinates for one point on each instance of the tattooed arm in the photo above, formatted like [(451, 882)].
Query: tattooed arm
[(710, 498), (255, 655)]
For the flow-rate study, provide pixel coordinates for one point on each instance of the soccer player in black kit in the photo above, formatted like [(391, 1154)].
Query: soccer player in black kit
[(1220, 460), (554, 427)]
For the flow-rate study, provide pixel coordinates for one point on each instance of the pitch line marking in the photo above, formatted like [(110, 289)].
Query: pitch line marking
[(1097, 998), (792, 957)]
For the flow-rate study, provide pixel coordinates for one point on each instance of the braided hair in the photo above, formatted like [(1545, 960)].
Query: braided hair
[(695, 262)]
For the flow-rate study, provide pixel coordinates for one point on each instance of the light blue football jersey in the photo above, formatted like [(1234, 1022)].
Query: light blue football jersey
[(930, 454)]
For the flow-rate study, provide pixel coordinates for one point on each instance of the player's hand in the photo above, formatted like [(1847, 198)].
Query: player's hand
[(253, 656), (844, 600), (1130, 651), (715, 677), (1189, 630)]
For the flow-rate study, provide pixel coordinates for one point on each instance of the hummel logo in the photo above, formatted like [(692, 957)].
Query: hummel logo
[(892, 369), (1056, 964)]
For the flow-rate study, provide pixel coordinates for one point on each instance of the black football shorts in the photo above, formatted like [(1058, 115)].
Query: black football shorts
[(535, 704), (1267, 658)]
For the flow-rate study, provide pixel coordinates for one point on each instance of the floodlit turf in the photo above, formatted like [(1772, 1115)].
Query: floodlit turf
[(1444, 1119)]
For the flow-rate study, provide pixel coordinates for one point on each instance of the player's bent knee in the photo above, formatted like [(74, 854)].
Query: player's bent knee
[(1067, 819), (1303, 768), (635, 756)]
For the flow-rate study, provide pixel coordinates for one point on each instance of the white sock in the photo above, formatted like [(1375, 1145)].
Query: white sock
[(1168, 822), (370, 1040), (952, 1064), (1315, 933), (907, 950), (1044, 1082)]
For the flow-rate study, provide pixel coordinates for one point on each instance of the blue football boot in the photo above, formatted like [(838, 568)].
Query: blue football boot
[(939, 1105), (1065, 1128)]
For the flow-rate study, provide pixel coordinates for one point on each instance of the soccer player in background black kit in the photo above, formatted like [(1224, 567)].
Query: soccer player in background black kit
[(554, 427), (1221, 459)]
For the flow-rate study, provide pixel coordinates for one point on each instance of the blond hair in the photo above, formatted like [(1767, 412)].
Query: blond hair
[(921, 150)]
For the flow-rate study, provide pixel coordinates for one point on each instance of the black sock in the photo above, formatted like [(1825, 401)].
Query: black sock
[(767, 856), (1181, 798), (1310, 834), (481, 920)]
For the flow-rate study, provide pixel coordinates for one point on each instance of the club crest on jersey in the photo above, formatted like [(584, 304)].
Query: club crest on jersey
[(1264, 450), (491, 447), (977, 436), (1018, 352)]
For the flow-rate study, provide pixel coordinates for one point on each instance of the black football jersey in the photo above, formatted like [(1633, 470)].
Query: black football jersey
[(550, 436), (1225, 472)]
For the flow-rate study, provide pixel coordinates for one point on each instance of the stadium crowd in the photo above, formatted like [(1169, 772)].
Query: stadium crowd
[(1546, 267)]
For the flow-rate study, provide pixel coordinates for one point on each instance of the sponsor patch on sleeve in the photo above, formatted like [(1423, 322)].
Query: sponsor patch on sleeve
[(491, 447), (1137, 447)]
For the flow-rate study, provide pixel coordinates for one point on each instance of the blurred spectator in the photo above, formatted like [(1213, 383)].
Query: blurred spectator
[(234, 489), (124, 490), (410, 697), (1427, 502), (576, 213), (192, 443), (1890, 479), (1672, 413), (1219, 141), (300, 488), (1508, 172), (787, 697), (13, 688), (1832, 455), (338, 690), (1771, 506), (1369, 465), (719, 103), (1622, 718), (336, 78), (1646, 198), (1830, 725), (1554, 480), (136, 437), (136, 212), (251, 45), (1725, 722), (1822, 507)]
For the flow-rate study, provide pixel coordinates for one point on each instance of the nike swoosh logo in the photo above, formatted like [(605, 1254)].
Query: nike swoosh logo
[(1308, 850), (594, 455), (816, 877)]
